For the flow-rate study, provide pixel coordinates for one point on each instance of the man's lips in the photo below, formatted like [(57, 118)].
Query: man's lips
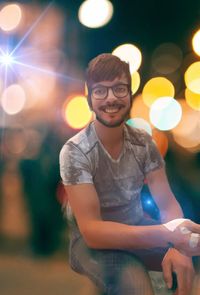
[(111, 109)]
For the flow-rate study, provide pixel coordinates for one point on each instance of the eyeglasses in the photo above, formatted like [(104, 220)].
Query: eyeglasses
[(100, 92)]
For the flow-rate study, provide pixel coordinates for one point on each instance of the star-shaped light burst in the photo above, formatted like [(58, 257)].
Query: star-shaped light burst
[(6, 59), (15, 61)]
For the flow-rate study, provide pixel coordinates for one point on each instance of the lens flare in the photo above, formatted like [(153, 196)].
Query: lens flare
[(6, 59)]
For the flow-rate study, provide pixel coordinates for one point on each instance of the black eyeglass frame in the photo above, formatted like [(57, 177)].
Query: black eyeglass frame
[(107, 90)]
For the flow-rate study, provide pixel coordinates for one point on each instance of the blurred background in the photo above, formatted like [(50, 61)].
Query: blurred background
[(44, 50)]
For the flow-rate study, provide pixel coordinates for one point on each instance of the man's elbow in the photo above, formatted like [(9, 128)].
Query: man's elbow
[(90, 237)]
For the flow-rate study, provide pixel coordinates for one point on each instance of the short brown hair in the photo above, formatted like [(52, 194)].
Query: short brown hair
[(104, 67)]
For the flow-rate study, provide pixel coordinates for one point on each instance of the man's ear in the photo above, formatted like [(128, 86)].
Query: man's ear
[(88, 97), (89, 102), (131, 96)]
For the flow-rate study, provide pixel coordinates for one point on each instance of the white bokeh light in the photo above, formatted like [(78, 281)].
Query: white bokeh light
[(196, 42), (140, 123), (130, 54), (13, 99), (10, 17), (165, 113), (95, 14)]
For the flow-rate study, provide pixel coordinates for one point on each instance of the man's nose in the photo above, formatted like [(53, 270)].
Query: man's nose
[(111, 97)]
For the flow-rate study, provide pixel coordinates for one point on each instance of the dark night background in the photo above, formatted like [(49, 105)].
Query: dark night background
[(32, 226)]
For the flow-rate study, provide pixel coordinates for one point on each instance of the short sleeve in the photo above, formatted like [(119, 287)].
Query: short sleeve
[(74, 165), (153, 159)]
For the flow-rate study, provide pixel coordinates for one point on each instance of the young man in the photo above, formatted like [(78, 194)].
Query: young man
[(103, 169)]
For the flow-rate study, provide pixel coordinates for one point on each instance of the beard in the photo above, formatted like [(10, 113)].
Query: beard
[(113, 124)]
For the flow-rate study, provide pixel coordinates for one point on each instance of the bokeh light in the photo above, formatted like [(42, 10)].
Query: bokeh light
[(167, 58), (165, 113), (95, 14), (15, 140), (187, 132), (10, 17), (135, 82), (192, 77), (13, 99), (161, 141), (193, 99), (196, 42), (140, 123), (39, 86), (76, 112), (34, 140), (139, 109), (155, 88), (130, 54)]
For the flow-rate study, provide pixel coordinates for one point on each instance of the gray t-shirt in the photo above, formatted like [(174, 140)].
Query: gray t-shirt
[(83, 159)]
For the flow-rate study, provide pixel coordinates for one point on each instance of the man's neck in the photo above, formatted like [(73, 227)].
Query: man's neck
[(109, 136)]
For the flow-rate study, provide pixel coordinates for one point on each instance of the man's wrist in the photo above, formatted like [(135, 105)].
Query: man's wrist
[(167, 237)]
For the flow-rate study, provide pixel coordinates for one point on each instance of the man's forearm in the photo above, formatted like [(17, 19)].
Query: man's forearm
[(113, 235), (170, 212)]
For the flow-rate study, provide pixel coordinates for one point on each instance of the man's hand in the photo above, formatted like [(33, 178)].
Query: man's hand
[(186, 238), (174, 261)]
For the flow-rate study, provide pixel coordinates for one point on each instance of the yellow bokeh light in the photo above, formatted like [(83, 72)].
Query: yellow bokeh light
[(192, 77), (13, 99), (135, 82), (10, 17), (130, 54), (196, 42), (77, 113), (156, 88), (95, 14), (86, 90), (193, 99), (186, 133)]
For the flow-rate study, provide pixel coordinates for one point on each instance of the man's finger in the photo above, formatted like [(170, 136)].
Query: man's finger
[(182, 283), (190, 279), (193, 227), (167, 273)]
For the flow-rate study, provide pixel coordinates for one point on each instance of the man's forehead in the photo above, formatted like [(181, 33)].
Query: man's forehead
[(117, 80)]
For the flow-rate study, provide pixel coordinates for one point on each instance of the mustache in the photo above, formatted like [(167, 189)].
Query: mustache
[(113, 105)]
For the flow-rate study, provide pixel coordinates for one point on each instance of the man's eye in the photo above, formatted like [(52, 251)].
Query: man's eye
[(120, 89), (99, 91)]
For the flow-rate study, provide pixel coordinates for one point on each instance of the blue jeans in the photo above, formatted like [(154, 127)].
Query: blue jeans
[(116, 272)]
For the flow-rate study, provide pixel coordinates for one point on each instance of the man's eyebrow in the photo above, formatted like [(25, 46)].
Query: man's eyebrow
[(118, 83)]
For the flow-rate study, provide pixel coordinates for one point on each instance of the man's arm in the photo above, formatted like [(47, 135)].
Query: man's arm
[(161, 192), (174, 261), (101, 234)]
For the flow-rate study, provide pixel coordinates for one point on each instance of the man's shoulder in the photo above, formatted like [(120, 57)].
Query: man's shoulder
[(84, 140), (137, 136)]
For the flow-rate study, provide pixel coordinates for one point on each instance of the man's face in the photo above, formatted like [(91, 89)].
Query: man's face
[(112, 110)]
